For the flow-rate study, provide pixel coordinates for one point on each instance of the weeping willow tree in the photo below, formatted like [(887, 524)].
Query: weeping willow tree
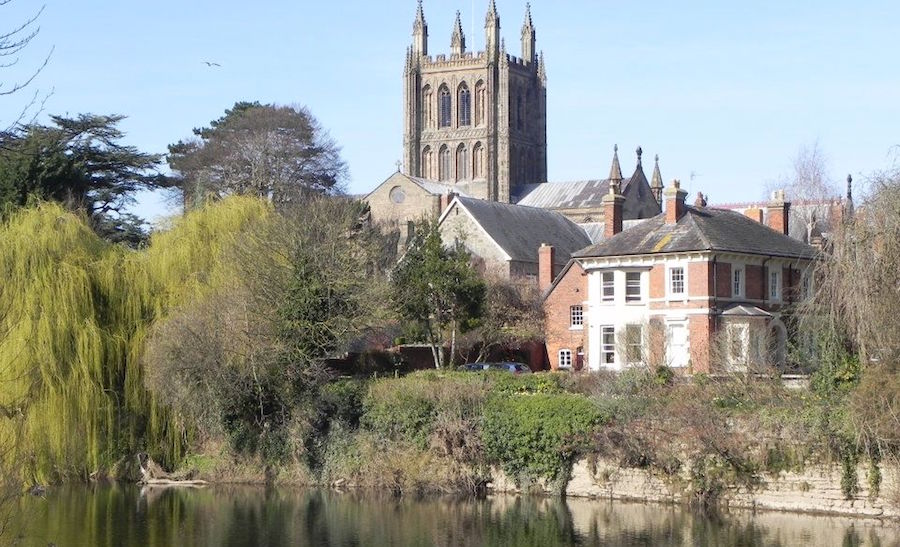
[(75, 311)]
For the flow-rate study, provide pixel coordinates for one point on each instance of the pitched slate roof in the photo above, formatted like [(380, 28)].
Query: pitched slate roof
[(435, 187), (595, 230), (577, 194), (701, 229), (520, 230), (588, 194)]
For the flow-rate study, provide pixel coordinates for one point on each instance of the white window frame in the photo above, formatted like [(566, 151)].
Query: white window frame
[(773, 287), (738, 281), (607, 350), (672, 295), (630, 344), (579, 324), (640, 287), (565, 358), (611, 284), (670, 359)]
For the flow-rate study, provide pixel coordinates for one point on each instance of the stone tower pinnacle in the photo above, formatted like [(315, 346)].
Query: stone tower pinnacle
[(457, 39), (615, 171), (529, 37), (420, 33), (656, 183), (492, 31)]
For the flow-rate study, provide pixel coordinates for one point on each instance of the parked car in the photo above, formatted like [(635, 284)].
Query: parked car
[(509, 366), (505, 366)]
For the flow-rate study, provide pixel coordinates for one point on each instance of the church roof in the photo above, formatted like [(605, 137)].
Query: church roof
[(588, 194), (435, 187), (580, 194), (520, 230), (701, 229)]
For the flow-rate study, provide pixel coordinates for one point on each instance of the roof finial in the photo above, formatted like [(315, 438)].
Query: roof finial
[(420, 16), (528, 22), (491, 13), (849, 187), (615, 171), (656, 181), (639, 152), (457, 39)]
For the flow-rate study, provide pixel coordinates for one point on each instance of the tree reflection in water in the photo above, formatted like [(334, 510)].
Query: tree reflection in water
[(120, 515)]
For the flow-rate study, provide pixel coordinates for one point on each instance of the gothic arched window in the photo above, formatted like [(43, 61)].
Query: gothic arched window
[(444, 163), (462, 162), (465, 105), (480, 96), (427, 107), (477, 161), (445, 107), (426, 163)]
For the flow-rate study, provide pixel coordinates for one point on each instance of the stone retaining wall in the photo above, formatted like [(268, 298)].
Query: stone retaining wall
[(817, 489)]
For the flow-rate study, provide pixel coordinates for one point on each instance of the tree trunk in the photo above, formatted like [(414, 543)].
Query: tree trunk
[(452, 343), (435, 354)]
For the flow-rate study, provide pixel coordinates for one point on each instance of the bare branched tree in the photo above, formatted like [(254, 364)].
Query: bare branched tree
[(12, 42), (810, 186)]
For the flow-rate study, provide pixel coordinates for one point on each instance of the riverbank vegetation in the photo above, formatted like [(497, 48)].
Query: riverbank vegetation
[(208, 350), (211, 345)]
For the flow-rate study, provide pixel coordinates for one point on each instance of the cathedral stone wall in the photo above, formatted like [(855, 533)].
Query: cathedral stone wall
[(477, 120)]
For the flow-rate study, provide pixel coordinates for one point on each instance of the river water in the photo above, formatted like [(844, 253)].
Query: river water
[(124, 515)]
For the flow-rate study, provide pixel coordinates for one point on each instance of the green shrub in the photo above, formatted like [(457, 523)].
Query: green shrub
[(506, 383), (343, 400), (538, 435), (399, 415)]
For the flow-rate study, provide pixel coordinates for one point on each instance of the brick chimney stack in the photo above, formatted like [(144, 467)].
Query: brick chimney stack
[(546, 257), (778, 213), (612, 210), (446, 200), (674, 202), (754, 213)]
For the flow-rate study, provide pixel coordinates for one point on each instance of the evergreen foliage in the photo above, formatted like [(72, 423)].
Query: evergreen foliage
[(80, 162), (437, 288)]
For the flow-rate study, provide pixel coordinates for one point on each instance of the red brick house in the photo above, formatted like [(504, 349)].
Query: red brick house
[(696, 288)]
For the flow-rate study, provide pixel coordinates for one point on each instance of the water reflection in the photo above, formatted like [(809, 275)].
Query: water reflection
[(237, 516)]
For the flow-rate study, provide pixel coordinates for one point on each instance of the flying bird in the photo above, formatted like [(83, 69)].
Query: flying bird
[(211, 64)]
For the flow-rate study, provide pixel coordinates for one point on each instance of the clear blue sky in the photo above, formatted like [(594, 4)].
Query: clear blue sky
[(726, 90)]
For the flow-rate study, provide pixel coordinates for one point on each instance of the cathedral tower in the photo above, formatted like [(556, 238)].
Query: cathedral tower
[(476, 120)]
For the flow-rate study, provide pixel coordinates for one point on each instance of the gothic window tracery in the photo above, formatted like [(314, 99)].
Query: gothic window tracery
[(445, 107), (427, 169), (479, 103), (462, 162), (444, 163), (465, 105), (427, 107), (478, 161)]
